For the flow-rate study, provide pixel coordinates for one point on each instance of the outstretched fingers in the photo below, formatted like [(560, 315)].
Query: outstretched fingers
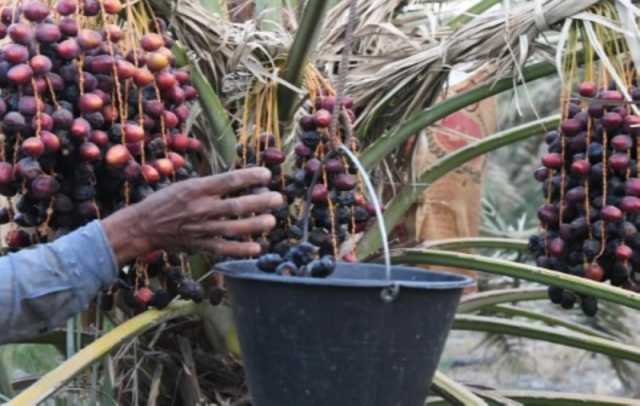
[(229, 182), (244, 205), (228, 248), (232, 228)]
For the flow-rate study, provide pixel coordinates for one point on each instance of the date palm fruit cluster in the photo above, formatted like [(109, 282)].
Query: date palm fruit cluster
[(91, 123), (338, 208), (590, 181)]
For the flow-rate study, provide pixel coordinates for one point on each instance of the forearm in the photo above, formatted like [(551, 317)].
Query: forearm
[(42, 287), (125, 232)]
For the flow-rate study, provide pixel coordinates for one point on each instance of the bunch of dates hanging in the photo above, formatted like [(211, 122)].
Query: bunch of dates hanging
[(338, 209), (590, 182), (91, 121)]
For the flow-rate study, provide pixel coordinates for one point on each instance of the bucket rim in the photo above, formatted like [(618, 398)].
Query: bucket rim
[(462, 280)]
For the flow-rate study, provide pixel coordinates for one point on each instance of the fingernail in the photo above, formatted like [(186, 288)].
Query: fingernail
[(277, 199), (269, 221), (265, 174)]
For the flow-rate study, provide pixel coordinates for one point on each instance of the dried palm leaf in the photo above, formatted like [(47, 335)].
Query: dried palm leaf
[(401, 56), (391, 85), (373, 32), (227, 52)]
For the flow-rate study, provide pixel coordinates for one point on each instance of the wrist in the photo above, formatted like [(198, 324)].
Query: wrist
[(126, 235)]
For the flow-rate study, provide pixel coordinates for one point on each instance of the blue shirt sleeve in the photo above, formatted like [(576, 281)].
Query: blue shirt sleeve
[(41, 287)]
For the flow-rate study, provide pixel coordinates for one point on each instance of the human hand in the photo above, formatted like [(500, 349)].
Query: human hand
[(192, 215)]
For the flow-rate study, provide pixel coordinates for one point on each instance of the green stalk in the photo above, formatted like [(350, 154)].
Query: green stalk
[(392, 139), (54, 380), (494, 398), (514, 311), (222, 136), (476, 301), (455, 244), (6, 388), (473, 11), (531, 273), (522, 234), (454, 392), (303, 44), (544, 333), (544, 398), (398, 206)]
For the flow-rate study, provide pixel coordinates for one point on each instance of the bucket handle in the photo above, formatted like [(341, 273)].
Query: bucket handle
[(389, 293)]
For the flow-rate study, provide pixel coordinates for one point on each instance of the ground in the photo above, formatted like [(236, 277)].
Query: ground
[(516, 363)]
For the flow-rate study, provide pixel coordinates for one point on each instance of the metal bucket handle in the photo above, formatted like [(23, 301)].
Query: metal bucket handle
[(388, 293)]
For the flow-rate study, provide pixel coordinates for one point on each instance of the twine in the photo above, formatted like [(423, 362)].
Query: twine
[(538, 16)]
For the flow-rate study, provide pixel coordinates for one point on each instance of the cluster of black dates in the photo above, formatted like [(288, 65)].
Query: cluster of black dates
[(300, 260), (590, 182), (90, 123), (339, 209)]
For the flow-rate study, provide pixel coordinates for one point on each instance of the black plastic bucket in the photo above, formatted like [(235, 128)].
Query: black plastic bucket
[(352, 339)]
